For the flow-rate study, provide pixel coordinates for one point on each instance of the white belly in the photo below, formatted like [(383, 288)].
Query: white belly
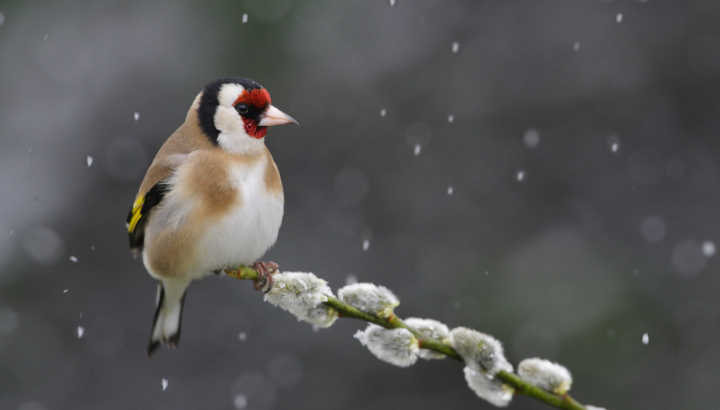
[(243, 235)]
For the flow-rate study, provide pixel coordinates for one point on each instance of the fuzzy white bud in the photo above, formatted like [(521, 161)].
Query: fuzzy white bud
[(545, 375), (430, 328), (395, 346), (302, 295), (487, 388), (481, 352), (372, 299)]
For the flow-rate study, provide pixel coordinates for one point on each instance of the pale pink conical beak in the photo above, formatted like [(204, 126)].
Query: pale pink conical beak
[(273, 116)]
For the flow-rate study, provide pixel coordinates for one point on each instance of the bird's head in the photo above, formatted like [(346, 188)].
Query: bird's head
[(235, 113)]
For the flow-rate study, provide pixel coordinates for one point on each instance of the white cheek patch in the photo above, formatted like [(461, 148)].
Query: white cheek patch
[(227, 120), (232, 135)]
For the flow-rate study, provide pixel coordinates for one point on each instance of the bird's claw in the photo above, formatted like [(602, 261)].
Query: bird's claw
[(265, 279)]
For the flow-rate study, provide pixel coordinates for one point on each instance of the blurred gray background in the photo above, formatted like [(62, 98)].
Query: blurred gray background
[(544, 171)]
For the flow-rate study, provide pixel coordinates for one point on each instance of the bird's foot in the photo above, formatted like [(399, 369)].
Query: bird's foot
[(265, 279)]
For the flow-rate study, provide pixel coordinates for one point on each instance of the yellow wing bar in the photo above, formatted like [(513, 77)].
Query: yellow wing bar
[(136, 215)]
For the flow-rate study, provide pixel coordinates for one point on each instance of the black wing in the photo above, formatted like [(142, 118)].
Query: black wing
[(137, 218)]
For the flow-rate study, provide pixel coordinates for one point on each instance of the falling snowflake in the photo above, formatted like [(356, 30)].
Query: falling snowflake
[(619, 18), (450, 190), (708, 248), (164, 384), (645, 339), (80, 331), (245, 17), (520, 175), (451, 118), (455, 47), (136, 115), (240, 401), (366, 244), (73, 259), (89, 160), (392, 3), (417, 149), (383, 112), (242, 336), (576, 46), (531, 138)]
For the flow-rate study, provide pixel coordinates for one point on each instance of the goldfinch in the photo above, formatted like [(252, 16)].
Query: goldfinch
[(211, 199)]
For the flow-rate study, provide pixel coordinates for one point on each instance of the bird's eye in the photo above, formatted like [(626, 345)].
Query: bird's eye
[(242, 108)]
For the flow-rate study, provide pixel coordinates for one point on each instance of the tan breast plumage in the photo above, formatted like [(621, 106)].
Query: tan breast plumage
[(222, 209)]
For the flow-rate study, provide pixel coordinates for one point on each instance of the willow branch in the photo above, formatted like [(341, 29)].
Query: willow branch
[(564, 402)]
